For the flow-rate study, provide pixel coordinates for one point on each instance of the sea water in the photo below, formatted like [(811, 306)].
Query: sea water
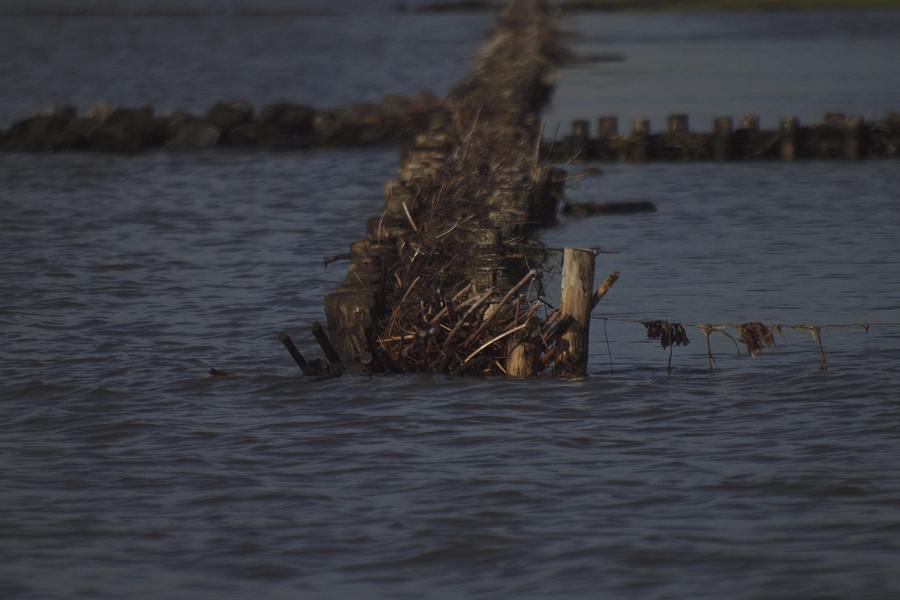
[(129, 472)]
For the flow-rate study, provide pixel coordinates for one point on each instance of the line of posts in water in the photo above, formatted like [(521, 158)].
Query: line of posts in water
[(838, 137)]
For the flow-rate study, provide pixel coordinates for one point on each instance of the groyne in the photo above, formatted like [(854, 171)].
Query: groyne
[(838, 136), (227, 124), (448, 279)]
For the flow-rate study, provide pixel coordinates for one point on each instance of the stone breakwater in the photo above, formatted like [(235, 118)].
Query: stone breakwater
[(233, 123), (447, 278)]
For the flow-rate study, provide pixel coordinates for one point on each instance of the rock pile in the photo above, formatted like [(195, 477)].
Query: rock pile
[(280, 126)]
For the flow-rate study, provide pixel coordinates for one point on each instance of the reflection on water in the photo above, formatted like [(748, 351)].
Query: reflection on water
[(129, 472)]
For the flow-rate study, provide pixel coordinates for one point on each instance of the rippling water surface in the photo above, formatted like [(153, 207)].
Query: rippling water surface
[(129, 472)]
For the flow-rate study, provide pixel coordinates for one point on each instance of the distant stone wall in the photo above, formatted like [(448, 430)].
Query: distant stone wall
[(234, 123)]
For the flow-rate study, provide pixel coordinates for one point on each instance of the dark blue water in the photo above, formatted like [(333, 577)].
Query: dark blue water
[(729, 65), (129, 472)]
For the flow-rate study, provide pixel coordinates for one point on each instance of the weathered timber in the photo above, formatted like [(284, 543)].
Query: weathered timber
[(590, 209), (285, 339), (576, 302), (331, 354), (723, 130), (604, 288), (838, 136), (788, 138), (640, 140)]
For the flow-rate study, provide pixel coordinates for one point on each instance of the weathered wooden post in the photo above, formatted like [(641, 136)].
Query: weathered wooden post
[(789, 129), (285, 339), (750, 122), (852, 135), (678, 123), (607, 127), (890, 125), (581, 139), (640, 134), (607, 132), (745, 141), (576, 302), (678, 145), (351, 315), (522, 360), (721, 143)]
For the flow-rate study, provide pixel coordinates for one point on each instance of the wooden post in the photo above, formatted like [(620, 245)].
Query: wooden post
[(351, 315), (336, 363), (750, 122), (721, 144), (607, 127), (575, 302), (581, 139), (607, 132), (522, 359), (789, 129), (852, 134), (678, 123), (285, 339), (640, 132)]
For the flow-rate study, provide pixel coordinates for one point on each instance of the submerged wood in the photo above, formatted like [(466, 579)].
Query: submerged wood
[(285, 339)]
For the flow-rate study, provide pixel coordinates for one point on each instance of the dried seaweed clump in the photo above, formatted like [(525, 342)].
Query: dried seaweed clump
[(668, 334), (755, 336)]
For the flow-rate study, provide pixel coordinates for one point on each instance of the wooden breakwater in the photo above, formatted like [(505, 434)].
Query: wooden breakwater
[(447, 278), (838, 136)]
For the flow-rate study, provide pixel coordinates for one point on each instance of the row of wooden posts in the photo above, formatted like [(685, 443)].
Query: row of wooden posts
[(838, 137)]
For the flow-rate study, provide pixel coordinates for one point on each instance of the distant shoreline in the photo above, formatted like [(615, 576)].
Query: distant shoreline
[(568, 6), (724, 5)]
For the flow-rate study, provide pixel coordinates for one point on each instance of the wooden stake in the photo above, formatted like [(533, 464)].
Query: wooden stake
[(604, 287), (640, 134), (852, 134), (285, 339), (337, 365), (575, 302), (523, 355), (723, 130), (522, 360), (790, 127)]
